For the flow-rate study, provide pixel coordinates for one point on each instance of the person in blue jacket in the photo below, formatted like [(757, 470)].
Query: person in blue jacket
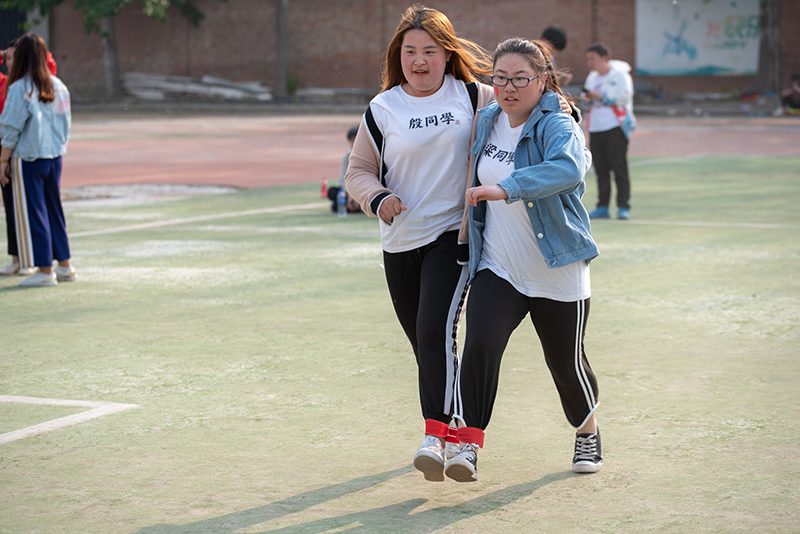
[(530, 246)]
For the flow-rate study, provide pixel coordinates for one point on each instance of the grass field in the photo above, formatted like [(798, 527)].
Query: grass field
[(276, 392)]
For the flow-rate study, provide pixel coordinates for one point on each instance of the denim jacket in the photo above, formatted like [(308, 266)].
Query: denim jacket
[(36, 130), (550, 162)]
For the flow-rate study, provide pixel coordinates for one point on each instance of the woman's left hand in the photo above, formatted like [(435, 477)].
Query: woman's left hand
[(3, 178), (485, 192)]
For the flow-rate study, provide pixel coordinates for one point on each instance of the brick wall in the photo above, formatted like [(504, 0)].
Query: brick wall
[(339, 43)]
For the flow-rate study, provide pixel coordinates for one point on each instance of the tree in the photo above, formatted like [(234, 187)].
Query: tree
[(769, 54), (98, 16)]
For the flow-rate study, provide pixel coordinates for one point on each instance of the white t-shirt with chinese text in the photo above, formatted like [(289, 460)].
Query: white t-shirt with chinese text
[(510, 243)]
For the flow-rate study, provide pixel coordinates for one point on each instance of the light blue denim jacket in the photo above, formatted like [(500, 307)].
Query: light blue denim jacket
[(550, 161), (35, 130)]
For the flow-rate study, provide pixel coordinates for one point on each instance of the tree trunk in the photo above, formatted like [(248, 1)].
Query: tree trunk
[(769, 53), (282, 49), (110, 59)]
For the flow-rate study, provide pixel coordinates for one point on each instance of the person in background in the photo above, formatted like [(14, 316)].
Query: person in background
[(530, 246), (13, 267), (610, 122), (333, 192), (790, 98), (35, 129), (556, 37)]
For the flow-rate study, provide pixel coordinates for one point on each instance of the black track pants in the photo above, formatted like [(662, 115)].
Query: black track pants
[(494, 311), (610, 153), (427, 289)]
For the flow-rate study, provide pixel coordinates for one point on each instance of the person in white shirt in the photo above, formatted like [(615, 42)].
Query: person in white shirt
[(409, 168), (610, 122), (530, 247)]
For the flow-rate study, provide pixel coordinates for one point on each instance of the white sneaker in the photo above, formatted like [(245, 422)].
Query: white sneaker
[(430, 459), (26, 271), (9, 270), (40, 279), (65, 274)]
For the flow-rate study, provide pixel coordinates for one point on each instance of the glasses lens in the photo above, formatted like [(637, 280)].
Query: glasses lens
[(500, 81)]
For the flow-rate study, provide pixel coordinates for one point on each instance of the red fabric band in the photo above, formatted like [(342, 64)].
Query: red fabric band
[(470, 434), (452, 436), (437, 428)]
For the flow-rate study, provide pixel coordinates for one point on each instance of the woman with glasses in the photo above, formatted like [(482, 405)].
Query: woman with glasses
[(530, 247)]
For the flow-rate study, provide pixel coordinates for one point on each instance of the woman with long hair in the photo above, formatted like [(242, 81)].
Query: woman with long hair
[(13, 268), (35, 129), (409, 167), (530, 247)]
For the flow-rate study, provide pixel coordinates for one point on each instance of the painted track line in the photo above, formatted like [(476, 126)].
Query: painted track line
[(699, 224), (98, 409), (200, 218)]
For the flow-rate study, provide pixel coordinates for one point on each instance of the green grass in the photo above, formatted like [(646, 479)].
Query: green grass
[(277, 393)]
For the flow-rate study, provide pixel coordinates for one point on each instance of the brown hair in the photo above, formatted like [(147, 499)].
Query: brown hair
[(30, 59), (467, 62), (539, 58)]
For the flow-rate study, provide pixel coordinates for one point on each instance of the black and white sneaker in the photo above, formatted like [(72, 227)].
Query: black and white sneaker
[(463, 467), (588, 453)]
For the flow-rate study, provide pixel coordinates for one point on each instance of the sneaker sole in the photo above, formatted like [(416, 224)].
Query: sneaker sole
[(587, 467), (430, 467), (40, 284), (67, 279), (460, 472)]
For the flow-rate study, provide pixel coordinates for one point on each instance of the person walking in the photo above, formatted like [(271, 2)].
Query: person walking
[(409, 168), (35, 129), (610, 123), (530, 247)]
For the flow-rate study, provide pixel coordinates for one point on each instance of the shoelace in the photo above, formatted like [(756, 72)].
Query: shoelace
[(585, 448)]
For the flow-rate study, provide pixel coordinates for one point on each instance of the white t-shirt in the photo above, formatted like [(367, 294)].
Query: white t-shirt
[(601, 117), (510, 243), (427, 150)]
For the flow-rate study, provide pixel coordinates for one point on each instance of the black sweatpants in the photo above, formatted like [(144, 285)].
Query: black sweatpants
[(610, 153), (494, 311), (427, 289), (11, 231)]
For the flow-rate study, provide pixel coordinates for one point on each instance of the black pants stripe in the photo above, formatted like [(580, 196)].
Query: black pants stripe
[(427, 287), (610, 153), (494, 311)]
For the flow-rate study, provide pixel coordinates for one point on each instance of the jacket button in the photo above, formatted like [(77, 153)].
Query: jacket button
[(540, 235), (530, 204)]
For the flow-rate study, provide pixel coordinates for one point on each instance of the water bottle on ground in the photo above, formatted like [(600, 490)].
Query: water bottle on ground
[(341, 203)]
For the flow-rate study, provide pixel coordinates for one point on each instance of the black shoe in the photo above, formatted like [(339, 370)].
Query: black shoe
[(463, 467), (588, 453)]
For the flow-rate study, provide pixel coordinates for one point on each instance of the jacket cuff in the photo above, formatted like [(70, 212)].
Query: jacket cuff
[(375, 204), (463, 253)]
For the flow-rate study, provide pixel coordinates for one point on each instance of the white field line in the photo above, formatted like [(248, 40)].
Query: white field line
[(200, 218), (699, 224), (98, 409)]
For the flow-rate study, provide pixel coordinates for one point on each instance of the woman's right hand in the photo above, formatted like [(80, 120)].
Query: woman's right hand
[(391, 208)]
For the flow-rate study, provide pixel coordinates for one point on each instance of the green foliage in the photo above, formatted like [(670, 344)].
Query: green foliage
[(94, 10)]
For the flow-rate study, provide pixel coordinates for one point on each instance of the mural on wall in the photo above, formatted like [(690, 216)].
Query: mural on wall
[(697, 37)]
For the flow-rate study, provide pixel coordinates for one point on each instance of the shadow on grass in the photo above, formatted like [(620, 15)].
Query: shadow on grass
[(397, 518)]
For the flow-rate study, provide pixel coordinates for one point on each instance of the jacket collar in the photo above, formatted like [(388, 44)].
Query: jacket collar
[(549, 102)]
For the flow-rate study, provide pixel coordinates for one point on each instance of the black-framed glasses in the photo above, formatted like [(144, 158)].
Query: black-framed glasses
[(517, 81)]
